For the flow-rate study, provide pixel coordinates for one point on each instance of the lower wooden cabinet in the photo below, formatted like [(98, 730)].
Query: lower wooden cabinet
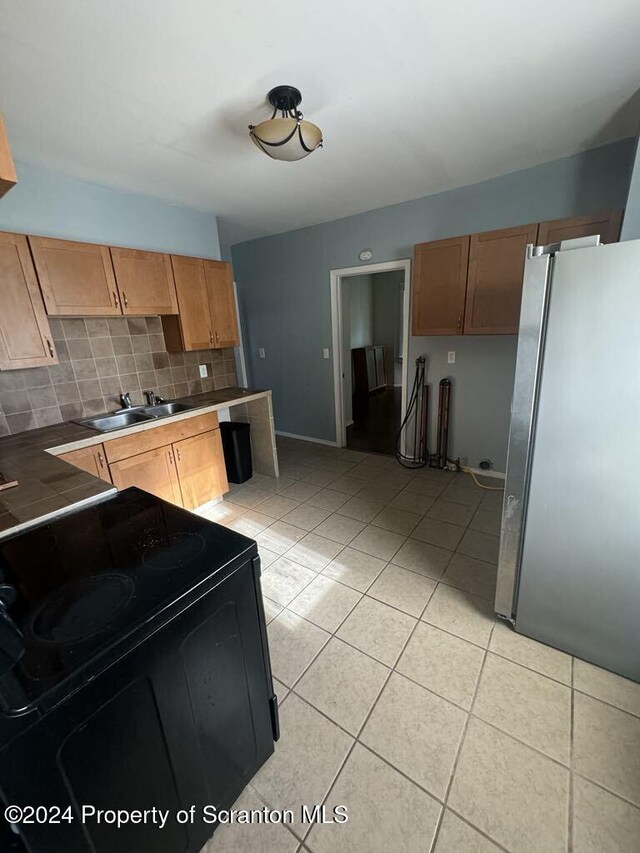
[(153, 471), (181, 462), (201, 469), (90, 459)]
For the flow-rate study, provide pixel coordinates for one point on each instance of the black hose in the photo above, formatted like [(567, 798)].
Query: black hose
[(421, 460)]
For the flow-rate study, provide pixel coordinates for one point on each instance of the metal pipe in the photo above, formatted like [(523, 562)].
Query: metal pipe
[(443, 435)]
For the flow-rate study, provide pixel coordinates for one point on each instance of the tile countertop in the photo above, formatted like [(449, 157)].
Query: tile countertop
[(48, 486)]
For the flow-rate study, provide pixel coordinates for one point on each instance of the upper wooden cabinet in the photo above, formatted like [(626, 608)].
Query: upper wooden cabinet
[(222, 303), (145, 282), (8, 177), (192, 328), (494, 284), (439, 286), (206, 306), (25, 337), (607, 225), (75, 278)]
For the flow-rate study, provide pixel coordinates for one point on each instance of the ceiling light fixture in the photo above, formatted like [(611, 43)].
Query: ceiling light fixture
[(288, 137)]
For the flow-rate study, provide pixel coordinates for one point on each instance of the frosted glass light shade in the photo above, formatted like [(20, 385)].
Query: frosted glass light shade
[(286, 138)]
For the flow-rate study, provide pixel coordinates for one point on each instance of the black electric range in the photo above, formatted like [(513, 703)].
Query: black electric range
[(140, 625)]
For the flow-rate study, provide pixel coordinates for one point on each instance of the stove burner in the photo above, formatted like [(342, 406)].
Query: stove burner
[(177, 550), (82, 608)]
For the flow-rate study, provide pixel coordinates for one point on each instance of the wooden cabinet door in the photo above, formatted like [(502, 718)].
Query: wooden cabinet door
[(371, 368), (25, 337), (153, 471), (8, 177), (75, 278), (607, 225), (494, 283), (145, 282), (381, 374), (192, 329), (201, 468), (222, 302), (439, 286), (89, 459)]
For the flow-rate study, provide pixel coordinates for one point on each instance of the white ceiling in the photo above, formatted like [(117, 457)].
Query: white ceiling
[(413, 96)]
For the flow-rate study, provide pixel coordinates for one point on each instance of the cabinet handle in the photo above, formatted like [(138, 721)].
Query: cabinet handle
[(116, 300), (124, 297), (217, 338), (178, 453), (210, 336), (100, 459), (170, 458), (459, 321), (50, 345)]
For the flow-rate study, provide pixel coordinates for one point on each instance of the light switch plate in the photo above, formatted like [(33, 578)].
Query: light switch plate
[(203, 370), (325, 353), (451, 357), (262, 353)]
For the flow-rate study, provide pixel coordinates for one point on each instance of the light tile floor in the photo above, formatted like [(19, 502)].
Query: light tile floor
[(401, 696)]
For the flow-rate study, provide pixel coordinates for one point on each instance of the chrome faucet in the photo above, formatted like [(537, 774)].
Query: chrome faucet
[(150, 397), (125, 399)]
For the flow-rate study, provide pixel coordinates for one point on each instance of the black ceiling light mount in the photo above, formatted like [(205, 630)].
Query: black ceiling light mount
[(285, 99), (289, 136)]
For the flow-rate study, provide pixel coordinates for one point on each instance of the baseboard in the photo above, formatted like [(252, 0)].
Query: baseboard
[(479, 472), (306, 438)]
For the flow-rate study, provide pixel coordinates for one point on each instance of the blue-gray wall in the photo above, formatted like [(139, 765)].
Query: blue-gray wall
[(51, 204), (631, 222), (283, 285)]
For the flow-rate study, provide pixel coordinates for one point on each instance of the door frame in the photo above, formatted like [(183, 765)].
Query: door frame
[(337, 332)]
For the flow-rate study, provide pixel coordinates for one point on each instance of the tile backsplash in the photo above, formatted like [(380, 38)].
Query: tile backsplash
[(99, 359)]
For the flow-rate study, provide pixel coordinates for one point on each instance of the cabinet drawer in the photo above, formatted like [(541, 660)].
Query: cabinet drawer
[(148, 439)]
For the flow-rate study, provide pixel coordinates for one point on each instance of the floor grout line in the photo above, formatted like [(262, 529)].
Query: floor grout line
[(474, 510)]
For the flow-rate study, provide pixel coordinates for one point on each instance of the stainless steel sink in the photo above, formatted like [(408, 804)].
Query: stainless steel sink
[(137, 415), (106, 423), (162, 410)]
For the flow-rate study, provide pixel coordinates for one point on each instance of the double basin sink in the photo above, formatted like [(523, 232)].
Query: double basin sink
[(136, 415)]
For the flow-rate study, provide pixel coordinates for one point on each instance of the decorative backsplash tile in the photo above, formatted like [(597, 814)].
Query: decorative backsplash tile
[(100, 358)]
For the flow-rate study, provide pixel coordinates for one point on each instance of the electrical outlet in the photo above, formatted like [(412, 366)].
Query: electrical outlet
[(451, 357), (203, 370), (325, 353), (262, 353)]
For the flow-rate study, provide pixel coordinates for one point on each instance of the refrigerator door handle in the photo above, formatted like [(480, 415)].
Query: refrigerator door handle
[(537, 275)]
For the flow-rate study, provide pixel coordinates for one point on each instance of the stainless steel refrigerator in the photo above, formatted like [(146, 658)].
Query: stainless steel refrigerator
[(569, 564)]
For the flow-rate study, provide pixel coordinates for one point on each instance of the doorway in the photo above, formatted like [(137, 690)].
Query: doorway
[(370, 319)]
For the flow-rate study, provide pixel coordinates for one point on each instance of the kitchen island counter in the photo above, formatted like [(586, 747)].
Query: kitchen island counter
[(49, 486)]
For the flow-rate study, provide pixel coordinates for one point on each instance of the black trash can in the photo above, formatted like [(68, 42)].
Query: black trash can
[(236, 445)]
